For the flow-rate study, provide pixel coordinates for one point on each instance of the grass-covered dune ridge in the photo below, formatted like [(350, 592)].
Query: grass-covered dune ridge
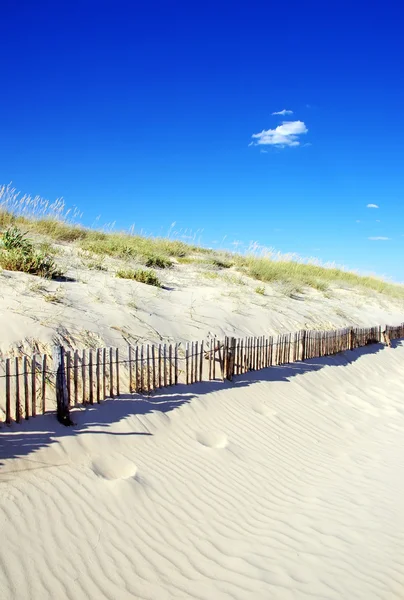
[(52, 222)]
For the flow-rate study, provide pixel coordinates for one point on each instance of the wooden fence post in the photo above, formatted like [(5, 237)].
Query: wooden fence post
[(62, 399)]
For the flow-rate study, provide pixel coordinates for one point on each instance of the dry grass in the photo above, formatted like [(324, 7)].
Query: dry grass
[(56, 223), (314, 276)]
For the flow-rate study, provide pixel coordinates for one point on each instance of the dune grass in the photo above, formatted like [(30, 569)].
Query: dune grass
[(146, 276), (314, 276), (53, 222)]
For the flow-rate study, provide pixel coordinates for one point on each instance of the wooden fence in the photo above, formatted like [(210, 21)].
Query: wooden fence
[(40, 383)]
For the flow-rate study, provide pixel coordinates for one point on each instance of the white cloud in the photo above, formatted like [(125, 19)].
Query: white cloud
[(283, 112), (378, 238), (372, 206), (283, 135)]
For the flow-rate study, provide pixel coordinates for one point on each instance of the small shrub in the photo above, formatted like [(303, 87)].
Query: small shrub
[(222, 263), (17, 253), (14, 239), (96, 265), (260, 290), (155, 260), (291, 289), (55, 297), (233, 279), (321, 286), (210, 275), (48, 248), (141, 275)]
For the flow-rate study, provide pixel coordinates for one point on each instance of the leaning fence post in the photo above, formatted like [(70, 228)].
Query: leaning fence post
[(62, 399), (303, 346)]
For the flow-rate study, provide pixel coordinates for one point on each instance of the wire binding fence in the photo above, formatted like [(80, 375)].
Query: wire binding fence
[(28, 384)]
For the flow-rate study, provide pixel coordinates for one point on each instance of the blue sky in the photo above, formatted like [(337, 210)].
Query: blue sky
[(146, 112)]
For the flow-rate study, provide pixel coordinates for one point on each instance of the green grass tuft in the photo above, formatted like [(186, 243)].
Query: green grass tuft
[(161, 262), (141, 275), (221, 263)]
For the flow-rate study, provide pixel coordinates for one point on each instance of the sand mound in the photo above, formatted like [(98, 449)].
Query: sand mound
[(114, 467), (212, 439)]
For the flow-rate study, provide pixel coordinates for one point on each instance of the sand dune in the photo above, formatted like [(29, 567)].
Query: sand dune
[(287, 483), (94, 308)]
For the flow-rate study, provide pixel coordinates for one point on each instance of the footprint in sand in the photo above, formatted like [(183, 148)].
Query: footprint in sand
[(264, 410), (114, 467), (212, 439)]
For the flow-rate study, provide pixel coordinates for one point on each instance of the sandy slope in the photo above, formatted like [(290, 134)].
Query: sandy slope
[(95, 309), (287, 487)]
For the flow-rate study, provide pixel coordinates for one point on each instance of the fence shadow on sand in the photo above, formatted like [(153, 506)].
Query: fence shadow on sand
[(28, 437)]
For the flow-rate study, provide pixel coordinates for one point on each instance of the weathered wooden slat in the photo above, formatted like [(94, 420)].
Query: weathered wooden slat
[(26, 391), (148, 368), (76, 376), (201, 363), (170, 364), (187, 363), (83, 376), (130, 367), (111, 372), (191, 366), (176, 364), (17, 390), (141, 369), (104, 373), (214, 358), (159, 367), (136, 371), (90, 376), (221, 361), (62, 401), (165, 364), (117, 364), (196, 361), (43, 383), (153, 353), (33, 385), (98, 374), (68, 374), (8, 392)]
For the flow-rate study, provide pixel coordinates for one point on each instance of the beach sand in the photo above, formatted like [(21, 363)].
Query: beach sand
[(287, 483)]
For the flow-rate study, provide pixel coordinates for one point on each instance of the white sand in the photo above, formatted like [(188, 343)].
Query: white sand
[(287, 488)]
